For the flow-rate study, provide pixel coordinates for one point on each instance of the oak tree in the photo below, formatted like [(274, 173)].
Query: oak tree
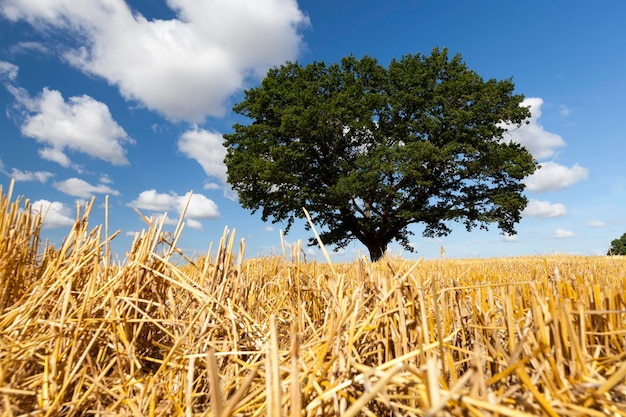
[(369, 150)]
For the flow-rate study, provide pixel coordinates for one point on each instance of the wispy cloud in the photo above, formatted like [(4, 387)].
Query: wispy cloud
[(8, 71), (564, 110), (30, 46), (563, 234), (596, 223), (40, 176)]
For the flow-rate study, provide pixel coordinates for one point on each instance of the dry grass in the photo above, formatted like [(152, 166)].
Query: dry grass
[(222, 336)]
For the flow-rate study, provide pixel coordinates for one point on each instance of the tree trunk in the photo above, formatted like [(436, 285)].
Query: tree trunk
[(377, 250)]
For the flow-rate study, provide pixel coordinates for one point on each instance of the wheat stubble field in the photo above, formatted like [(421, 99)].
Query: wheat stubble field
[(223, 335)]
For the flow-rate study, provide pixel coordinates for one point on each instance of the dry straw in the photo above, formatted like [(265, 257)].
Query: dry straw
[(221, 335)]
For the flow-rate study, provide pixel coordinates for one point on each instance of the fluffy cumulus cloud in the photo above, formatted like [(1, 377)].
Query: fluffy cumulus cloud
[(199, 207), (194, 224), (544, 209), (80, 188), (55, 214), (184, 67), (539, 142), (80, 124), (207, 149), (553, 177), (156, 202)]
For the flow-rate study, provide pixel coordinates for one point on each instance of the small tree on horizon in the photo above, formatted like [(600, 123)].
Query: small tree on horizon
[(618, 246), (369, 150)]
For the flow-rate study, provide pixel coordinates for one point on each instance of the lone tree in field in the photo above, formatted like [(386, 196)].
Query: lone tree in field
[(369, 150), (618, 246)]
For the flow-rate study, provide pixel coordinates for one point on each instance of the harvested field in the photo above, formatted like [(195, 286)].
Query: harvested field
[(223, 335)]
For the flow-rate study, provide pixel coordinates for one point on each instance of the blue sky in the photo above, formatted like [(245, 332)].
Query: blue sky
[(130, 100)]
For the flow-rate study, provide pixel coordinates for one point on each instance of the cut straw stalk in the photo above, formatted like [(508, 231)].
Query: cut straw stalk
[(216, 392), (81, 336), (296, 389), (274, 407), (360, 404)]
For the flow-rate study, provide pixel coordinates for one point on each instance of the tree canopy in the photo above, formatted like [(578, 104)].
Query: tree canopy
[(618, 246), (369, 150)]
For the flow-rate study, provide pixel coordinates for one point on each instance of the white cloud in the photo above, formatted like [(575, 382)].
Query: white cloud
[(8, 71), (55, 155), (81, 124), (153, 201), (596, 223), (544, 209), (184, 68), (55, 214), (212, 186), (509, 238), (562, 234), (41, 176), (105, 180), (268, 228), (539, 142), (553, 177), (30, 46), (194, 224), (207, 149), (80, 188), (200, 207), (564, 110)]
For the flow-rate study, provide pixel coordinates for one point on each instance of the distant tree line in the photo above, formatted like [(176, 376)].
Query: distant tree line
[(618, 246)]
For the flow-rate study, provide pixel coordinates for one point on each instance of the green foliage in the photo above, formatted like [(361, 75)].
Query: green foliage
[(618, 246), (370, 150)]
